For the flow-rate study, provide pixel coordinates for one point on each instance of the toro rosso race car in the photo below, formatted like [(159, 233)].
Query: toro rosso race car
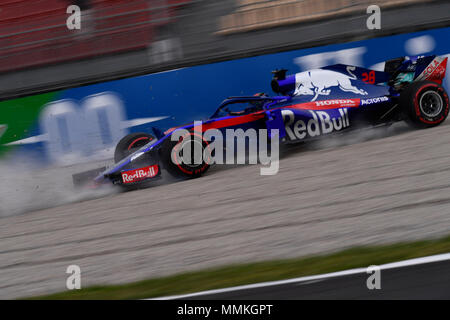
[(307, 105)]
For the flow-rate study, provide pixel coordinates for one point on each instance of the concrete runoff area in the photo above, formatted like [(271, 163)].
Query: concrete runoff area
[(338, 193)]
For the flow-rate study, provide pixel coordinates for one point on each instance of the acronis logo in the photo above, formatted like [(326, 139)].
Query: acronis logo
[(374, 100)]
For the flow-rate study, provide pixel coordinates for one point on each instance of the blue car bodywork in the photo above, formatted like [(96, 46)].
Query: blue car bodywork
[(308, 105)]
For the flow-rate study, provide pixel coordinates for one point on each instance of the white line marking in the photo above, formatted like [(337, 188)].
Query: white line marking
[(393, 265), (309, 282)]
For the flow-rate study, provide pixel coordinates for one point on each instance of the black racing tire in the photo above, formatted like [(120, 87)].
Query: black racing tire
[(180, 168), (130, 143), (425, 104)]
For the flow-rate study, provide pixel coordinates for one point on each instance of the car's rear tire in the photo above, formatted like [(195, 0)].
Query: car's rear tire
[(425, 104), (174, 162), (130, 143)]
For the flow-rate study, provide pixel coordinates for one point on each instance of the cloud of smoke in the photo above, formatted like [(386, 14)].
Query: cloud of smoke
[(361, 135), (26, 187)]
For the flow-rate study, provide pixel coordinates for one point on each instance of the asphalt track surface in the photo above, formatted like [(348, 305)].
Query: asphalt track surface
[(423, 281), (324, 198)]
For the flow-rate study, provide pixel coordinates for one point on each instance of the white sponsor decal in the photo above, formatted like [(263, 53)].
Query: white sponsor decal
[(341, 102), (138, 174), (318, 82), (374, 100), (137, 155), (321, 123)]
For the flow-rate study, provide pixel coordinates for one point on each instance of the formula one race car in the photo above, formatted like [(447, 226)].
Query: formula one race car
[(308, 105)]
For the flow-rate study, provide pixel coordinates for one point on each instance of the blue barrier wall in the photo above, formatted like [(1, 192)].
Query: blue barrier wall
[(85, 123)]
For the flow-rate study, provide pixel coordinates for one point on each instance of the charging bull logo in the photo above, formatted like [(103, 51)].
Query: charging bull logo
[(320, 123), (318, 82)]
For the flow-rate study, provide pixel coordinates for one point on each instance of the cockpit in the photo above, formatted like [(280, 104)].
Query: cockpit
[(240, 106)]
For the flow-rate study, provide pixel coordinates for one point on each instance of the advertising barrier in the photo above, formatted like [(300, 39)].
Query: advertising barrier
[(84, 124)]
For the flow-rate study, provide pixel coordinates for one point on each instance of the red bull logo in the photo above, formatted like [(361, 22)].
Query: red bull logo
[(139, 174), (320, 123)]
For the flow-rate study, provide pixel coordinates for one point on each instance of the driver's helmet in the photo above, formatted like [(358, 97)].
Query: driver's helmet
[(258, 104), (260, 94)]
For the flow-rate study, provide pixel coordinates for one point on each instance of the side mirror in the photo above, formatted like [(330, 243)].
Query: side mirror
[(278, 75)]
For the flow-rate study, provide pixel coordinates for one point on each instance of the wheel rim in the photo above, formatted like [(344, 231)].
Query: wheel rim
[(196, 155), (431, 104)]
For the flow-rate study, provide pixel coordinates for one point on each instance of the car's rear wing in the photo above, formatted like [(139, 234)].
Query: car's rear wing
[(416, 68), (432, 68)]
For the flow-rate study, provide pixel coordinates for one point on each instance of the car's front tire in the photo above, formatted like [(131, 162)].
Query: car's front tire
[(131, 143), (173, 158), (425, 104)]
